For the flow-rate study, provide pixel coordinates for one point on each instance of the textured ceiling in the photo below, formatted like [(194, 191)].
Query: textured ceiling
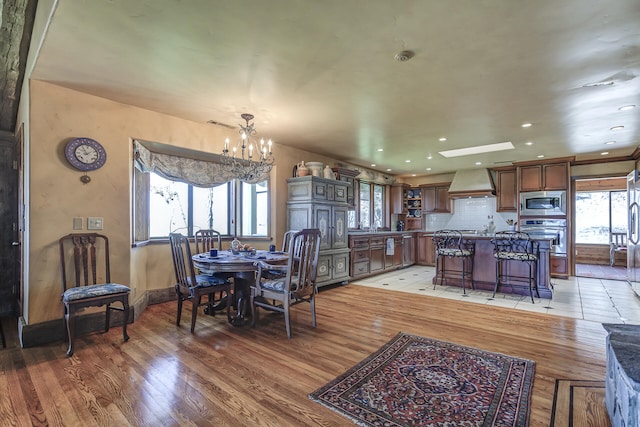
[(321, 76)]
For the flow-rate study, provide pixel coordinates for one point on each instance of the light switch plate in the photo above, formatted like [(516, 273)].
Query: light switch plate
[(77, 223), (94, 223)]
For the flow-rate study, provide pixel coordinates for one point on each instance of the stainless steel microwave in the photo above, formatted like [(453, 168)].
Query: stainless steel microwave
[(543, 203)]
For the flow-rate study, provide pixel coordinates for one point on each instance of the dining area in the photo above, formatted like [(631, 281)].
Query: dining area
[(240, 280)]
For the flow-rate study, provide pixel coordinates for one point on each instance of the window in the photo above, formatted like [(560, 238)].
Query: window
[(176, 206), (371, 206), (598, 213)]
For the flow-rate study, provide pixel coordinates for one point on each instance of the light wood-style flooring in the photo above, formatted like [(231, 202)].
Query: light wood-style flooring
[(236, 376)]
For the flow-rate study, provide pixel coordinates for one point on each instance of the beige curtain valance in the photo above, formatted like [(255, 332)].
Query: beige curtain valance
[(197, 168)]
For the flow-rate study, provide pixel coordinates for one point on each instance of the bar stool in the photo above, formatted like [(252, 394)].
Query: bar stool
[(449, 244), (516, 246)]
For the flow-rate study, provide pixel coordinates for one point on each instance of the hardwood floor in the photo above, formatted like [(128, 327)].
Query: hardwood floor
[(225, 375)]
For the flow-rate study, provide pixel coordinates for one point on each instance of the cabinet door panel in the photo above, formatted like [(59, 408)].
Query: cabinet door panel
[(341, 265), (299, 217), (555, 177), (324, 268), (339, 228), (530, 178), (376, 260), (429, 199), (322, 217), (507, 200)]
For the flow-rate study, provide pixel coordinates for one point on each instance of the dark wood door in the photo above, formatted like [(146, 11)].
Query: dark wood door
[(9, 234), (555, 176), (531, 178), (507, 191)]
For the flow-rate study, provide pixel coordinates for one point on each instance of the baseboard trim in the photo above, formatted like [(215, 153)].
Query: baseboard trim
[(54, 330)]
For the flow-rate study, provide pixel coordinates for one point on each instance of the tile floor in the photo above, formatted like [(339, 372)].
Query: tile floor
[(597, 300)]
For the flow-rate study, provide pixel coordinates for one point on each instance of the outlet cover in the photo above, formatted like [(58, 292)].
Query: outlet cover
[(77, 223), (94, 223)]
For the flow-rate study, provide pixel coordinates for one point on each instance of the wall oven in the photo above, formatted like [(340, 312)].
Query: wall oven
[(547, 228), (543, 203)]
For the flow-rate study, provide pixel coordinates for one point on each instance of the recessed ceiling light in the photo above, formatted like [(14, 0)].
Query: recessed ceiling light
[(443, 139), (617, 128), (540, 156), (428, 169), (627, 107), (478, 149), (380, 149), (388, 170), (528, 143), (604, 153), (407, 161), (413, 174), (609, 143), (373, 165), (429, 157), (478, 163), (526, 125)]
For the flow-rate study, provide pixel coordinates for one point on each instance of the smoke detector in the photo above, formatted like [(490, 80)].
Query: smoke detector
[(404, 56)]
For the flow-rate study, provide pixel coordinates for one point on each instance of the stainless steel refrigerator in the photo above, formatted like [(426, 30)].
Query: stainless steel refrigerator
[(633, 231)]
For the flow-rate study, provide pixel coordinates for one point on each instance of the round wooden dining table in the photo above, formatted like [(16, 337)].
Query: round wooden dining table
[(241, 267)]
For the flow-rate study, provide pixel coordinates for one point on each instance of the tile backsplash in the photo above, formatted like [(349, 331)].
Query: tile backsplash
[(470, 214)]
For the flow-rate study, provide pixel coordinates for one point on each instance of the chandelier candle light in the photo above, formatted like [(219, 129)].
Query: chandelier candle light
[(239, 161)]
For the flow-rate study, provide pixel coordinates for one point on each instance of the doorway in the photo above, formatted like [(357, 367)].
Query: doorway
[(600, 210)]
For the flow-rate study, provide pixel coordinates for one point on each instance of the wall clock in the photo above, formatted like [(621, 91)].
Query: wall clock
[(85, 154)]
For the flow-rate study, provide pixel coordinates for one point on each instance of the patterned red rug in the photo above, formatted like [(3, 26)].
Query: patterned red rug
[(417, 381)]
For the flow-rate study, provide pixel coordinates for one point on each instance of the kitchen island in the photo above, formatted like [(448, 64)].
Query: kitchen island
[(484, 269)]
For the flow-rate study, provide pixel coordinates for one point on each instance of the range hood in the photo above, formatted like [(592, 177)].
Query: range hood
[(472, 183)]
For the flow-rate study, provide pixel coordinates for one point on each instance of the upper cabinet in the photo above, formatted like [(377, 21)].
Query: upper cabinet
[(506, 191), (348, 176), (413, 208), (436, 198), (553, 176), (397, 198)]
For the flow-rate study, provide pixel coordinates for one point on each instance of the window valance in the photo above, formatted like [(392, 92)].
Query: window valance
[(197, 168)]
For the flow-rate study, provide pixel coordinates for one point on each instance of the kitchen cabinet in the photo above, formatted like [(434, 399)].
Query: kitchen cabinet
[(413, 208), (507, 191), (408, 250), (369, 253), (559, 267), (315, 202), (397, 198), (425, 250), (544, 177), (436, 199), (348, 176)]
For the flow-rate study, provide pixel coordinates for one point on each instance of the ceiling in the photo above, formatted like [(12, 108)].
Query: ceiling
[(321, 76)]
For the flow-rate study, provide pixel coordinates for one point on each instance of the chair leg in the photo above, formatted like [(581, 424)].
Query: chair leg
[(195, 303), (495, 288), (312, 301), (228, 296), (437, 272), (125, 307), (107, 318), (287, 321), (70, 321), (179, 310), (473, 285), (254, 310), (531, 282), (464, 290)]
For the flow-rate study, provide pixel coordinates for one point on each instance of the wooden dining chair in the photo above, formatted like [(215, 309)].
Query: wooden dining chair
[(296, 286), (191, 286), (617, 243), (91, 285), (207, 240)]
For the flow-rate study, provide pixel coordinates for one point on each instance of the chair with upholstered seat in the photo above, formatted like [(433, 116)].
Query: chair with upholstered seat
[(617, 244), (450, 244), (297, 285), (515, 246), (191, 286), (207, 240), (92, 287)]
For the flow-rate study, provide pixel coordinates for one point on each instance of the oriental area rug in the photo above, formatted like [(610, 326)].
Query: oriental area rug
[(417, 381)]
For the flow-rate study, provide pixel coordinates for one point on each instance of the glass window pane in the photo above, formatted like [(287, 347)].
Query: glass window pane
[(365, 205), (211, 208), (255, 209), (592, 217), (619, 211), (378, 205), (168, 207)]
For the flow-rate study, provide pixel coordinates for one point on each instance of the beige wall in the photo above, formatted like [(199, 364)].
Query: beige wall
[(56, 194)]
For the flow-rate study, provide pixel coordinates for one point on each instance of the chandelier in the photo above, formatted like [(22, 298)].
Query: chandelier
[(248, 161)]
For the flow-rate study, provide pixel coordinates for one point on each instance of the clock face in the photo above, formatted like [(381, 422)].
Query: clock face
[(85, 154)]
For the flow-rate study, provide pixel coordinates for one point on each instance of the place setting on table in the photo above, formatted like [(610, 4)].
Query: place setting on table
[(239, 260)]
